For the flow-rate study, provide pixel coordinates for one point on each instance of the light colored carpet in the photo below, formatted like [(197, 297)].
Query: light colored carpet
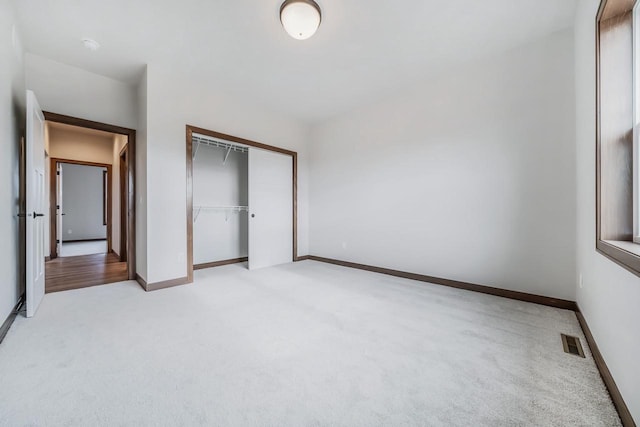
[(306, 344), (83, 248)]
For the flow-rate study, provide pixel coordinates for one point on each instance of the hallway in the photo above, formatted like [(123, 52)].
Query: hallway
[(83, 271), (70, 249)]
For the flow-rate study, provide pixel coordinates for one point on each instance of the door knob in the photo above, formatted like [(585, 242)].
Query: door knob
[(37, 214), (253, 215)]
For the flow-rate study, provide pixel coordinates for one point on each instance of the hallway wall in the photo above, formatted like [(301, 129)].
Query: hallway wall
[(608, 295), (83, 203), (12, 123)]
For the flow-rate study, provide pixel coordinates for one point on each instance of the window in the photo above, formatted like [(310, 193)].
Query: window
[(636, 121), (618, 132)]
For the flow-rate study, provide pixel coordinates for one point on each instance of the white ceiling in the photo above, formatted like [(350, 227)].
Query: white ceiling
[(364, 49)]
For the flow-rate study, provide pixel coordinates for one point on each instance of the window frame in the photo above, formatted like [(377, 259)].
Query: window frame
[(627, 258), (635, 22)]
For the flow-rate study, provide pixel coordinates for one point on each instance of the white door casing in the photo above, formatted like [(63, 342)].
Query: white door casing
[(270, 208), (36, 210)]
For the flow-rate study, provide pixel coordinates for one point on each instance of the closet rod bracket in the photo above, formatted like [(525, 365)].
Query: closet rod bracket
[(193, 156)]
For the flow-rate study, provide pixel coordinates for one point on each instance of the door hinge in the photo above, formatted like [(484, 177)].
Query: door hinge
[(58, 173), (57, 241)]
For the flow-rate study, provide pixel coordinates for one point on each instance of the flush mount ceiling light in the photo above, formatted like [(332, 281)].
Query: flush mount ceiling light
[(300, 18), (91, 44)]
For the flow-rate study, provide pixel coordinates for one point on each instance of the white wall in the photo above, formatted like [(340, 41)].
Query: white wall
[(71, 91), (73, 145), (68, 90), (220, 235), (609, 295), (141, 179), (470, 176), (173, 102), (12, 107), (159, 108), (82, 203)]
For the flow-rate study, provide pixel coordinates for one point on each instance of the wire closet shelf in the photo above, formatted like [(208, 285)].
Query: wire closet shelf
[(226, 209), (208, 141)]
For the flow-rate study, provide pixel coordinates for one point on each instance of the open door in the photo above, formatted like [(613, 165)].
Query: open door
[(270, 208), (59, 207), (35, 205)]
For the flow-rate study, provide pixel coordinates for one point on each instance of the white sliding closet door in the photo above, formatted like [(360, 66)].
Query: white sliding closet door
[(270, 208)]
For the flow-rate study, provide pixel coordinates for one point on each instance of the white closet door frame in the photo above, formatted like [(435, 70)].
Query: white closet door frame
[(240, 141)]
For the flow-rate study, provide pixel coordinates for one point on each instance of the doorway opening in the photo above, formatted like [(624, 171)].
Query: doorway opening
[(91, 236), (83, 199)]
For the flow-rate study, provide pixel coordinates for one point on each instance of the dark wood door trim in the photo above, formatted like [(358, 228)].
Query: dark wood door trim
[(53, 224), (189, 151), (53, 206), (124, 202), (131, 173), (242, 141), (190, 130)]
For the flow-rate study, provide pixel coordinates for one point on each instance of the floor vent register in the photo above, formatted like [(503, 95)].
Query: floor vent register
[(572, 345)]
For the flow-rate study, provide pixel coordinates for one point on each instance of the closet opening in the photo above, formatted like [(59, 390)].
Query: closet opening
[(220, 203), (241, 202)]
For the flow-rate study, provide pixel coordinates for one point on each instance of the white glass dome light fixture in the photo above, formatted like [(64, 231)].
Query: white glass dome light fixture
[(300, 18)]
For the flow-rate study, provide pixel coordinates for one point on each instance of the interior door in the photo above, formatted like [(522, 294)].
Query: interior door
[(270, 208), (59, 209), (35, 205)]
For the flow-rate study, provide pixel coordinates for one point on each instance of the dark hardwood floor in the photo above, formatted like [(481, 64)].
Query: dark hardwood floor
[(64, 273)]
